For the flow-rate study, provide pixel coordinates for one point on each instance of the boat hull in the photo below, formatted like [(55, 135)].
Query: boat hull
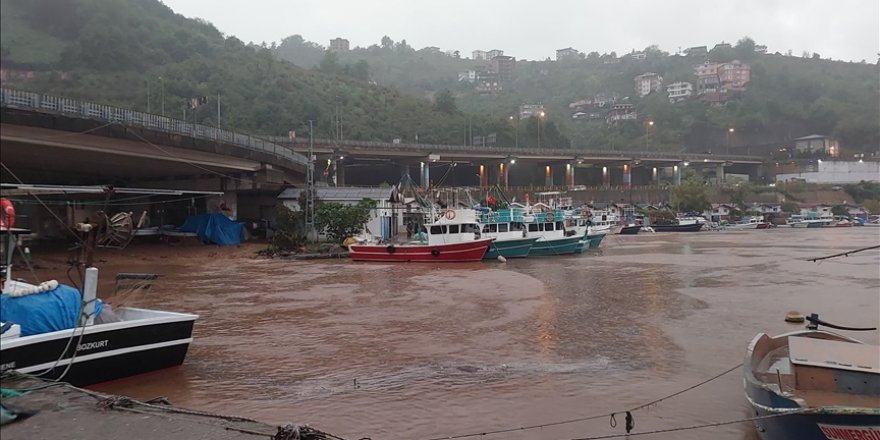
[(695, 227), (630, 230), (105, 352), (518, 248), (450, 253), (556, 246)]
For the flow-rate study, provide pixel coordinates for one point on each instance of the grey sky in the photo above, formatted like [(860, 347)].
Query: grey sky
[(528, 29)]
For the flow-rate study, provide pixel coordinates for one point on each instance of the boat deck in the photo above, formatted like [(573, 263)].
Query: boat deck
[(64, 411)]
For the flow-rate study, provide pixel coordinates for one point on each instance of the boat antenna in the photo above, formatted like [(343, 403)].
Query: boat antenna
[(815, 322)]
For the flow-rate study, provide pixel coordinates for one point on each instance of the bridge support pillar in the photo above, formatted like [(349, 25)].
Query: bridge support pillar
[(655, 176), (484, 176), (719, 175), (503, 175), (548, 175), (606, 176), (627, 174), (676, 174), (425, 174), (569, 174), (339, 172)]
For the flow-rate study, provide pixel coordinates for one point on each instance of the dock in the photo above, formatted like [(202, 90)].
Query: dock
[(56, 410)]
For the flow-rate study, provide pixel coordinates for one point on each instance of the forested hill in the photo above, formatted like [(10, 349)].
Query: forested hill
[(121, 51), (126, 52), (788, 96)]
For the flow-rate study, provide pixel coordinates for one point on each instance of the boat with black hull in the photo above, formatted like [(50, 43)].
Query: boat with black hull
[(60, 332), (813, 385)]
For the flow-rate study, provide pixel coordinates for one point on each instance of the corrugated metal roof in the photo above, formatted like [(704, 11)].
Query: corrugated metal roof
[(342, 194)]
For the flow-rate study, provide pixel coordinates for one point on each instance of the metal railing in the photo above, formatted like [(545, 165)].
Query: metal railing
[(108, 113)]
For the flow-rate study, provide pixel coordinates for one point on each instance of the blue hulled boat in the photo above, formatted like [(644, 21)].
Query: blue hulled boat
[(813, 385)]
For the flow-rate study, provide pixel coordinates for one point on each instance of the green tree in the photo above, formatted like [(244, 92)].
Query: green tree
[(839, 210), (872, 206), (691, 196), (340, 221), (745, 49), (444, 102), (739, 193), (791, 208), (289, 234)]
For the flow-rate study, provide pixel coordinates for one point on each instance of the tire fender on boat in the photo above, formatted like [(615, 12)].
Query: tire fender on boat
[(391, 249), (435, 252)]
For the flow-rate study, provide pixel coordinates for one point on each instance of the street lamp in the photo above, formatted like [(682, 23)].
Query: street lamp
[(730, 132), (648, 133), (515, 130), (540, 123)]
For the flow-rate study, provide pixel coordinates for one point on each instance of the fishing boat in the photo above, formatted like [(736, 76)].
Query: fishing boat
[(813, 384), (873, 220), (750, 223), (76, 337), (682, 224), (629, 228), (510, 235), (449, 238)]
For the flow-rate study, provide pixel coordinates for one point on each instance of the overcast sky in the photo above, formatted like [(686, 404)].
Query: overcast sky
[(527, 29)]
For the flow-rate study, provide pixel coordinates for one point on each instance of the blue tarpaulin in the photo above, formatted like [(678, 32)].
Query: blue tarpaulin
[(216, 228), (44, 312)]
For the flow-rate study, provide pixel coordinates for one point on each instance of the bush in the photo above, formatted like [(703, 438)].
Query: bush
[(290, 234), (339, 221)]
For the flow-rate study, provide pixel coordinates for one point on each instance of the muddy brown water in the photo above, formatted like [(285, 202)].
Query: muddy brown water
[(417, 351)]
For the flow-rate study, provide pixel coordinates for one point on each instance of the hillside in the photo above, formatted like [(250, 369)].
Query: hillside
[(123, 51), (787, 96), (140, 54)]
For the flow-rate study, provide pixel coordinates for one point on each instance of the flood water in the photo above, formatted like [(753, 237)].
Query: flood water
[(418, 351)]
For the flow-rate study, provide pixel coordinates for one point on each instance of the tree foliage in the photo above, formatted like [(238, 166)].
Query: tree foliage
[(340, 221), (289, 234), (691, 196)]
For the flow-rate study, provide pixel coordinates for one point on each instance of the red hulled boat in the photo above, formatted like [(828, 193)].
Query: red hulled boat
[(472, 250)]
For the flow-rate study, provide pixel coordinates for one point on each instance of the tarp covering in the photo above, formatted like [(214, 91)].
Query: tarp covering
[(44, 312), (216, 228)]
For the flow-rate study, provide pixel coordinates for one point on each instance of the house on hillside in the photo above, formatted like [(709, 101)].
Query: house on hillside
[(567, 53), (339, 45), (719, 212), (648, 82), (817, 143), (621, 112), (697, 51), (679, 91), (385, 218)]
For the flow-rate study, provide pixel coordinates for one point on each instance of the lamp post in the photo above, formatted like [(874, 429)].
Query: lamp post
[(541, 115), (162, 80), (648, 133), (515, 130), (730, 132)]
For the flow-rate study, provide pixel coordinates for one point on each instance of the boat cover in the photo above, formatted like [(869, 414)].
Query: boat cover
[(216, 228), (44, 312)]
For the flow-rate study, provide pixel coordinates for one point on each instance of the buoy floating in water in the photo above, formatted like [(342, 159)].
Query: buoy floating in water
[(794, 316), (502, 259)]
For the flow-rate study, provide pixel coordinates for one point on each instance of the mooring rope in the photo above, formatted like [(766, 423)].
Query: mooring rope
[(630, 421)]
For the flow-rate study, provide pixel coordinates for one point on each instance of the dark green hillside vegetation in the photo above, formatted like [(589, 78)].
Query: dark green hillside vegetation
[(140, 54), (122, 51)]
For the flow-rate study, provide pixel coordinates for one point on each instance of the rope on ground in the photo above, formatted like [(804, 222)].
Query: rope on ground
[(844, 254), (691, 427), (630, 421)]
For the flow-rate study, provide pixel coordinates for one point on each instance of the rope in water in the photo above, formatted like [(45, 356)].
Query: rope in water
[(844, 254), (611, 416)]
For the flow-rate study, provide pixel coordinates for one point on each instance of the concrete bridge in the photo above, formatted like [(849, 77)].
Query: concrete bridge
[(66, 141)]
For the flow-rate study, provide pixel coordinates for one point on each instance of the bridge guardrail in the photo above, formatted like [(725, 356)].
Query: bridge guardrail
[(101, 112)]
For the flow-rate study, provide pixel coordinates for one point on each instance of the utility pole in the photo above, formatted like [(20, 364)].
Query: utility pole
[(218, 109), (148, 95), (163, 95), (310, 191)]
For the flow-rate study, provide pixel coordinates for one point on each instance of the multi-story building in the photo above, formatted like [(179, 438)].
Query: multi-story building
[(494, 53), (760, 48), (530, 110), (817, 143), (479, 55), (697, 51), (503, 66), (647, 83), (468, 75), (567, 53), (621, 112), (339, 45), (734, 75), (679, 91), (638, 55)]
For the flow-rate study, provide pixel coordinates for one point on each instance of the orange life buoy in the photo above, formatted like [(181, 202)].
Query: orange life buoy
[(450, 214), (7, 214)]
